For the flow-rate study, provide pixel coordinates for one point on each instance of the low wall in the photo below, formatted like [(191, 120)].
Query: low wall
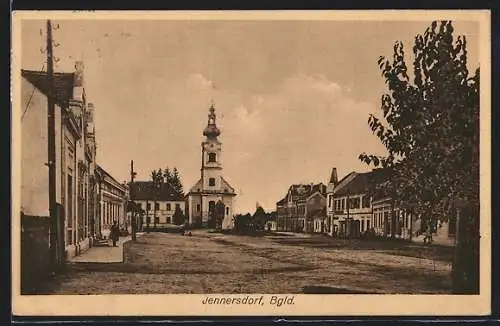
[(35, 252)]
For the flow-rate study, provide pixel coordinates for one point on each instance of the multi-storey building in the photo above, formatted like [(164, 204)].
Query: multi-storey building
[(296, 211), (350, 203), (158, 203), (112, 199), (75, 163)]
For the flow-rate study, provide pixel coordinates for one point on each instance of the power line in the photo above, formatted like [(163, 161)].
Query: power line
[(31, 97)]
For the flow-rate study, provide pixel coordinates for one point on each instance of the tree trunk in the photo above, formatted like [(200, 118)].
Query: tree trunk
[(465, 269), (410, 219), (154, 214)]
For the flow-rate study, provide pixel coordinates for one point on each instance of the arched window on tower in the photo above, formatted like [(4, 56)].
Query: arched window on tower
[(212, 157), (211, 182)]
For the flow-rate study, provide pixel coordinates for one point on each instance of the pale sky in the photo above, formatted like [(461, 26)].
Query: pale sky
[(292, 97)]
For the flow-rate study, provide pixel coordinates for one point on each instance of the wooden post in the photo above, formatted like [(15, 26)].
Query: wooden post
[(133, 212), (51, 152)]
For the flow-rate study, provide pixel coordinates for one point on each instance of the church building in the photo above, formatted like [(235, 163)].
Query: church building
[(212, 194)]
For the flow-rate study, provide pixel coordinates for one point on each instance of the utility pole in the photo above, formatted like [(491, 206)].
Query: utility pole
[(134, 221), (202, 181), (51, 151)]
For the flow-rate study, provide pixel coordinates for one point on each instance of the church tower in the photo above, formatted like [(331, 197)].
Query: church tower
[(211, 149), (211, 195)]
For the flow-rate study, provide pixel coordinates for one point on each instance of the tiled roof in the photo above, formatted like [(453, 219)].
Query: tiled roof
[(360, 183), (299, 192), (63, 84), (105, 173), (145, 190), (282, 201)]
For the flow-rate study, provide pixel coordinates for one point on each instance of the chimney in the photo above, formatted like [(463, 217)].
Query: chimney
[(333, 177), (78, 81)]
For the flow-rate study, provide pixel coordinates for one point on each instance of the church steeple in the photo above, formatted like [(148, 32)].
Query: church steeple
[(211, 131)]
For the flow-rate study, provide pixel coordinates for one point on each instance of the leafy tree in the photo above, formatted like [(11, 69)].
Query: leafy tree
[(259, 218), (430, 128), (178, 217), (243, 223), (157, 179)]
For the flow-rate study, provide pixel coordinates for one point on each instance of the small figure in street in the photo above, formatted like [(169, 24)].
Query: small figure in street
[(115, 233)]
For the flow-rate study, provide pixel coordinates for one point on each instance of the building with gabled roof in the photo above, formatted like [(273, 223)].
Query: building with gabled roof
[(296, 210), (211, 192), (158, 202)]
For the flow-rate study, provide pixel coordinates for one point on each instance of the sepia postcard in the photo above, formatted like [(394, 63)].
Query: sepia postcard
[(245, 163)]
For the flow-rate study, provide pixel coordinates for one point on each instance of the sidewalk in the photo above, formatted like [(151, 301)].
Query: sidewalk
[(103, 254)]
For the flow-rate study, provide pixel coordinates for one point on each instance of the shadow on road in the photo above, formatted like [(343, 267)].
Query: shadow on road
[(331, 290)]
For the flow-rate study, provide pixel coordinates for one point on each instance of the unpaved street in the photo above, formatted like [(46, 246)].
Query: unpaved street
[(219, 263)]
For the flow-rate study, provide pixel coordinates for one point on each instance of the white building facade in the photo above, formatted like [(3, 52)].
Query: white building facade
[(75, 157), (157, 203), (211, 188)]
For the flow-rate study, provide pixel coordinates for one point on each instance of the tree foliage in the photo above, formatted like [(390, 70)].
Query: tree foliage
[(259, 218), (430, 125), (243, 223), (178, 217), (157, 179), (173, 178), (430, 128)]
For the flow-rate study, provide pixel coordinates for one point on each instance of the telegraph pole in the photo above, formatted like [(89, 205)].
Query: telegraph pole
[(51, 150), (134, 219)]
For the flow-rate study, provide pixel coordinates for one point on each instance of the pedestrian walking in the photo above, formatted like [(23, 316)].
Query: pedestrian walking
[(115, 233)]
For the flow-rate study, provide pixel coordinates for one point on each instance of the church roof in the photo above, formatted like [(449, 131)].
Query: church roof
[(225, 188), (211, 130)]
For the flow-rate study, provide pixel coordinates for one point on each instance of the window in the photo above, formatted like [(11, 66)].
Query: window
[(354, 202), (362, 225), (139, 205), (367, 225), (211, 182), (177, 206), (157, 206), (169, 207), (366, 201), (148, 206), (198, 207), (227, 210), (212, 157)]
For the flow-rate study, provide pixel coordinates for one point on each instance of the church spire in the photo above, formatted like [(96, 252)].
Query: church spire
[(211, 131)]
